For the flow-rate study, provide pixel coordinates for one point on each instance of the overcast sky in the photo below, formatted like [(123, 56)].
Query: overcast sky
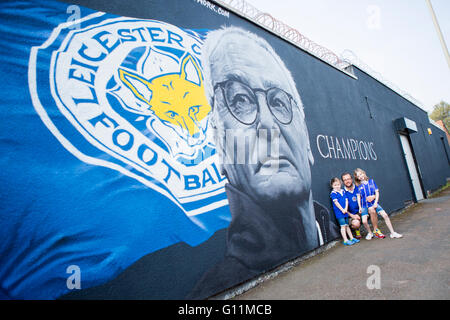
[(396, 38)]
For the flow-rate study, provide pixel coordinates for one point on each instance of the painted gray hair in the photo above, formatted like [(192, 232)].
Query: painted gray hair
[(212, 53)]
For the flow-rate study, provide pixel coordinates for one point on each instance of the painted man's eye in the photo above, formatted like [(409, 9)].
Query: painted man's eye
[(171, 114), (241, 99)]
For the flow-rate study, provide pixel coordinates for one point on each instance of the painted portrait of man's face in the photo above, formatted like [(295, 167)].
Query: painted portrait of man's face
[(255, 97)]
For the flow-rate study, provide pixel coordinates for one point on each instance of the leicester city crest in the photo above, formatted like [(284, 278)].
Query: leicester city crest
[(128, 94)]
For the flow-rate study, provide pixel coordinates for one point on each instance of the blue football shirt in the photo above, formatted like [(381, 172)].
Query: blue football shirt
[(340, 197), (352, 200), (367, 188)]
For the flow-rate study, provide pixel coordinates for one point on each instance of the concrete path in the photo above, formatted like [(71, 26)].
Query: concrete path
[(414, 267)]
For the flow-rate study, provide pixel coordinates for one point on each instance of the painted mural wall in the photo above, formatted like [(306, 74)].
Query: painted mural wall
[(172, 150)]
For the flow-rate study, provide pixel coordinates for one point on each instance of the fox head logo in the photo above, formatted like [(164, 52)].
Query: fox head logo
[(176, 100)]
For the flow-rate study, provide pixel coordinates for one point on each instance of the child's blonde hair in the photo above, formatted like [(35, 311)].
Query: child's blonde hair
[(357, 181)]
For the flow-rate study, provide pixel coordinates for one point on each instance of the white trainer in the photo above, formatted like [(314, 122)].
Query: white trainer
[(396, 235), (369, 236)]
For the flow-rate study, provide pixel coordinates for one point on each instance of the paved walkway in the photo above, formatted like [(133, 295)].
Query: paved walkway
[(414, 267)]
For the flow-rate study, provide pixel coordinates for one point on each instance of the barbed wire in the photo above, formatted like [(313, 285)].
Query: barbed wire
[(283, 30), (341, 62)]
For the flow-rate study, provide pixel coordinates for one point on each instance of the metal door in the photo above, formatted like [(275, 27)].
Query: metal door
[(413, 173)]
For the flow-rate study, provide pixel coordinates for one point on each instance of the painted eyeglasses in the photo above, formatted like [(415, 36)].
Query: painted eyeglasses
[(242, 103)]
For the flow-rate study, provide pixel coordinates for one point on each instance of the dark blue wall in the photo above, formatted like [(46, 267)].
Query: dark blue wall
[(366, 109), (336, 105)]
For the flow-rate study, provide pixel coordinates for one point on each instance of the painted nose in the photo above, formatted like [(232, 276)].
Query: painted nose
[(195, 134), (192, 128), (266, 118)]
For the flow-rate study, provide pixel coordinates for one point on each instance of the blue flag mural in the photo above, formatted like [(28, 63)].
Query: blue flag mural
[(105, 149)]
